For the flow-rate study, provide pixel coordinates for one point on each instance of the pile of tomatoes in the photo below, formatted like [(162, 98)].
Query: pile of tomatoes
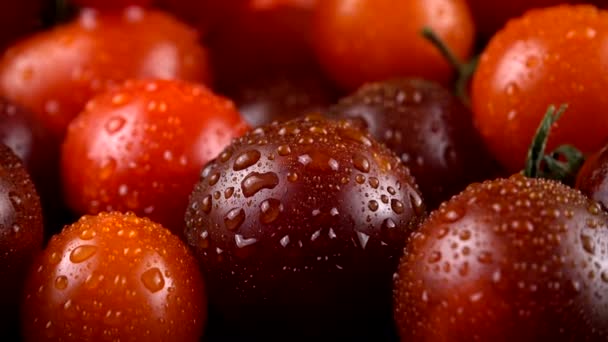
[(340, 170)]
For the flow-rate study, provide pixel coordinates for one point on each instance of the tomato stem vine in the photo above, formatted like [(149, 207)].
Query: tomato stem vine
[(561, 164), (464, 70)]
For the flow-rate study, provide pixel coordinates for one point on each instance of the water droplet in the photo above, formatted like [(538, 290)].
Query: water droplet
[(292, 176), (363, 239), (355, 135), (82, 253), (255, 182), (228, 192), (464, 235), (153, 280), (61, 282), (246, 159), (397, 206), (361, 163), (206, 204), (372, 205), (87, 234), (588, 244), (604, 277), (333, 164), (115, 124), (284, 150), (225, 155), (234, 218), (214, 178), (304, 159), (285, 241), (391, 190), (374, 182), (360, 179), (107, 169), (332, 234), (434, 257), (243, 242), (270, 210), (334, 211), (453, 215), (485, 257), (496, 276), (475, 297)]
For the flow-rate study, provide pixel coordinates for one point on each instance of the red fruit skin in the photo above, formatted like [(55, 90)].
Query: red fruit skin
[(54, 73), (114, 277), (360, 41), (21, 234), (141, 146), (513, 259)]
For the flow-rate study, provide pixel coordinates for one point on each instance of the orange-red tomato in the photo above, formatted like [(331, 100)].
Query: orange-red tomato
[(549, 56), (490, 16), (54, 73), (141, 147), (358, 41), (111, 4), (114, 277)]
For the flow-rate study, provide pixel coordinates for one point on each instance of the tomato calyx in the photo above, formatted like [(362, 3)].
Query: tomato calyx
[(561, 164), (464, 70)]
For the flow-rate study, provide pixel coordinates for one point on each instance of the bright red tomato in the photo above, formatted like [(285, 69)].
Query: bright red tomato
[(54, 73), (359, 41), (549, 56), (114, 277), (141, 147)]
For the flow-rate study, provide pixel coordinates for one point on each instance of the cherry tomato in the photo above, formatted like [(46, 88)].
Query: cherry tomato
[(358, 41), (298, 227), (281, 98), (513, 259), (141, 146), (114, 277), (111, 4), (592, 179), (533, 63), (490, 16), (54, 73), (21, 235)]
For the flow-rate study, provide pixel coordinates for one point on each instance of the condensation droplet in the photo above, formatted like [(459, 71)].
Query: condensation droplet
[(234, 218), (243, 242), (246, 159), (153, 280), (82, 253)]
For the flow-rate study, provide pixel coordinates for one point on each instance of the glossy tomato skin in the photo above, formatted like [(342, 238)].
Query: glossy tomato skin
[(298, 227), (141, 146), (490, 16), (513, 259), (371, 40), (21, 233), (428, 128), (114, 276), (282, 98), (111, 4), (55, 73), (557, 64), (592, 179)]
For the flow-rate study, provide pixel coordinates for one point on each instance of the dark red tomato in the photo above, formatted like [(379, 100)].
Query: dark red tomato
[(20, 17), (490, 16), (114, 277), (298, 227), (111, 4), (141, 146), (54, 73), (260, 37), (21, 235), (513, 259), (533, 63), (281, 98), (39, 153), (359, 41), (428, 128), (592, 179)]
